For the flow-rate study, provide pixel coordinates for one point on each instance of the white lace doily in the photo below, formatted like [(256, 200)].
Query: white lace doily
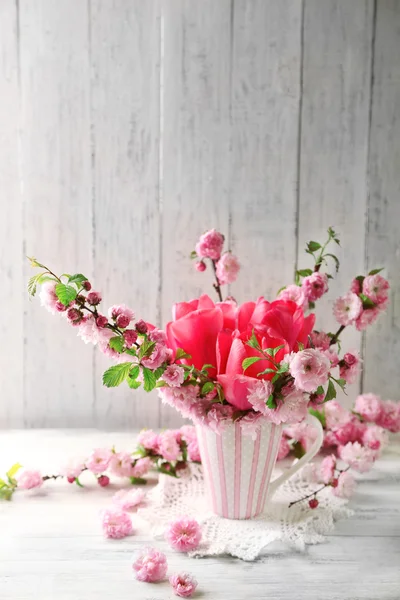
[(245, 539)]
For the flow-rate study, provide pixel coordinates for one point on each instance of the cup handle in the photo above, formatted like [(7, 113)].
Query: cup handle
[(308, 456)]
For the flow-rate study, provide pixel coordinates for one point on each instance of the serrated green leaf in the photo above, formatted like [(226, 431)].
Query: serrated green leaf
[(180, 353), (313, 246), (116, 374), (367, 302), (65, 293), (253, 342), (319, 390), (318, 415), (134, 372), (146, 348), (330, 392), (276, 350), (250, 360), (117, 343), (32, 285), (207, 387), (13, 470), (304, 272), (149, 380), (375, 271), (77, 279), (134, 384), (158, 372)]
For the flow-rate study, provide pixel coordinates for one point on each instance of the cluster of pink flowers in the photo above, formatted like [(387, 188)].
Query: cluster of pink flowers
[(361, 305), (226, 265), (150, 566), (313, 287)]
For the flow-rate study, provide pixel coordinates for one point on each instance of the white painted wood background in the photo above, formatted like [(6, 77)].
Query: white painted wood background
[(128, 127)]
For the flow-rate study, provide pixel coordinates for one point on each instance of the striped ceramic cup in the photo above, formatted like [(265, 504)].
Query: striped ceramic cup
[(238, 469)]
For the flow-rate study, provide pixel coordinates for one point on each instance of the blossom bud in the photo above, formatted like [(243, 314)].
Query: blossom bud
[(94, 298), (103, 480), (71, 479), (335, 482), (87, 286), (122, 321), (313, 503), (74, 315), (80, 300), (101, 321), (141, 326), (130, 337), (200, 265), (60, 307)]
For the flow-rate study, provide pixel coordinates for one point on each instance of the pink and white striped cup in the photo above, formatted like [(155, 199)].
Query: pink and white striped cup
[(238, 469)]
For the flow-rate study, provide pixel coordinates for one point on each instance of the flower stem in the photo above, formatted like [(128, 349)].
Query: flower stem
[(335, 338), (217, 284)]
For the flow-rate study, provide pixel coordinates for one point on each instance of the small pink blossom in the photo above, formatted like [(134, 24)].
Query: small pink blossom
[(150, 565), (227, 268), (320, 340), (28, 480), (91, 333), (375, 438), (156, 358), (330, 439), (73, 468), (141, 467), (141, 326), (101, 321), (302, 433), (184, 585), (116, 523), (128, 499), (93, 298), (357, 456), (168, 446), (367, 317), (219, 416), (250, 424), (210, 245), (356, 286), (121, 310), (347, 308), (74, 316), (315, 286), (294, 293), (183, 534), (188, 432), (193, 451), (200, 266), (376, 288), (159, 336), (292, 409), (352, 431), (389, 417), (350, 366), (130, 337), (310, 369), (336, 415), (332, 356), (369, 406), (148, 439), (327, 468), (48, 297), (284, 449), (121, 464), (174, 375), (183, 399), (99, 460), (259, 393), (103, 480), (346, 485)]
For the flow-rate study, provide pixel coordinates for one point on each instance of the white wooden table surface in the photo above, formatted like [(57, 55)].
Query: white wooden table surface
[(52, 548)]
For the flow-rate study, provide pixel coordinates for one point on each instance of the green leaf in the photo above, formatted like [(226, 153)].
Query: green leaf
[(133, 383), (149, 380), (300, 346), (304, 272), (13, 470), (276, 350), (330, 392), (180, 353), (207, 387), (116, 374), (281, 290), (318, 415), (250, 360), (206, 367), (335, 258), (35, 263), (158, 372), (266, 371), (360, 278), (78, 279), (298, 450), (78, 483), (341, 383), (253, 342), (65, 293), (313, 246), (146, 348), (271, 401), (6, 493), (134, 372), (311, 305), (367, 302), (32, 283), (160, 384), (3, 484), (320, 390), (137, 481), (275, 378), (193, 254), (117, 343), (375, 271)]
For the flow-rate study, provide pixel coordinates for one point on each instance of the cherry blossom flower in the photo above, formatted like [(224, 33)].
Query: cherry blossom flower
[(159, 336), (116, 524), (150, 565), (346, 485), (352, 431), (156, 358), (92, 334), (336, 415), (183, 534), (148, 439), (29, 479), (389, 417), (310, 369), (193, 451), (184, 585), (284, 449), (219, 416), (168, 446), (98, 460), (294, 293), (130, 337), (121, 464), (128, 499), (332, 356), (174, 375), (259, 393), (376, 288), (210, 245), (227, 268), (315, 286), (302, 433), (375, 437), (350, 366), (327, 468), (356, 286), (369, 406), (121, 310), (93, 298), (367, 317), (347, 309), (48, 297), (320, 340), (73, 468), (141, 467), (357, 456)]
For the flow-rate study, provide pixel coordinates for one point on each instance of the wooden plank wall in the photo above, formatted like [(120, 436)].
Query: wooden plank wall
[(129, 127)]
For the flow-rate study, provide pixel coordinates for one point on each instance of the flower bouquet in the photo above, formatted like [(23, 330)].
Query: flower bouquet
[(243, 373)]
